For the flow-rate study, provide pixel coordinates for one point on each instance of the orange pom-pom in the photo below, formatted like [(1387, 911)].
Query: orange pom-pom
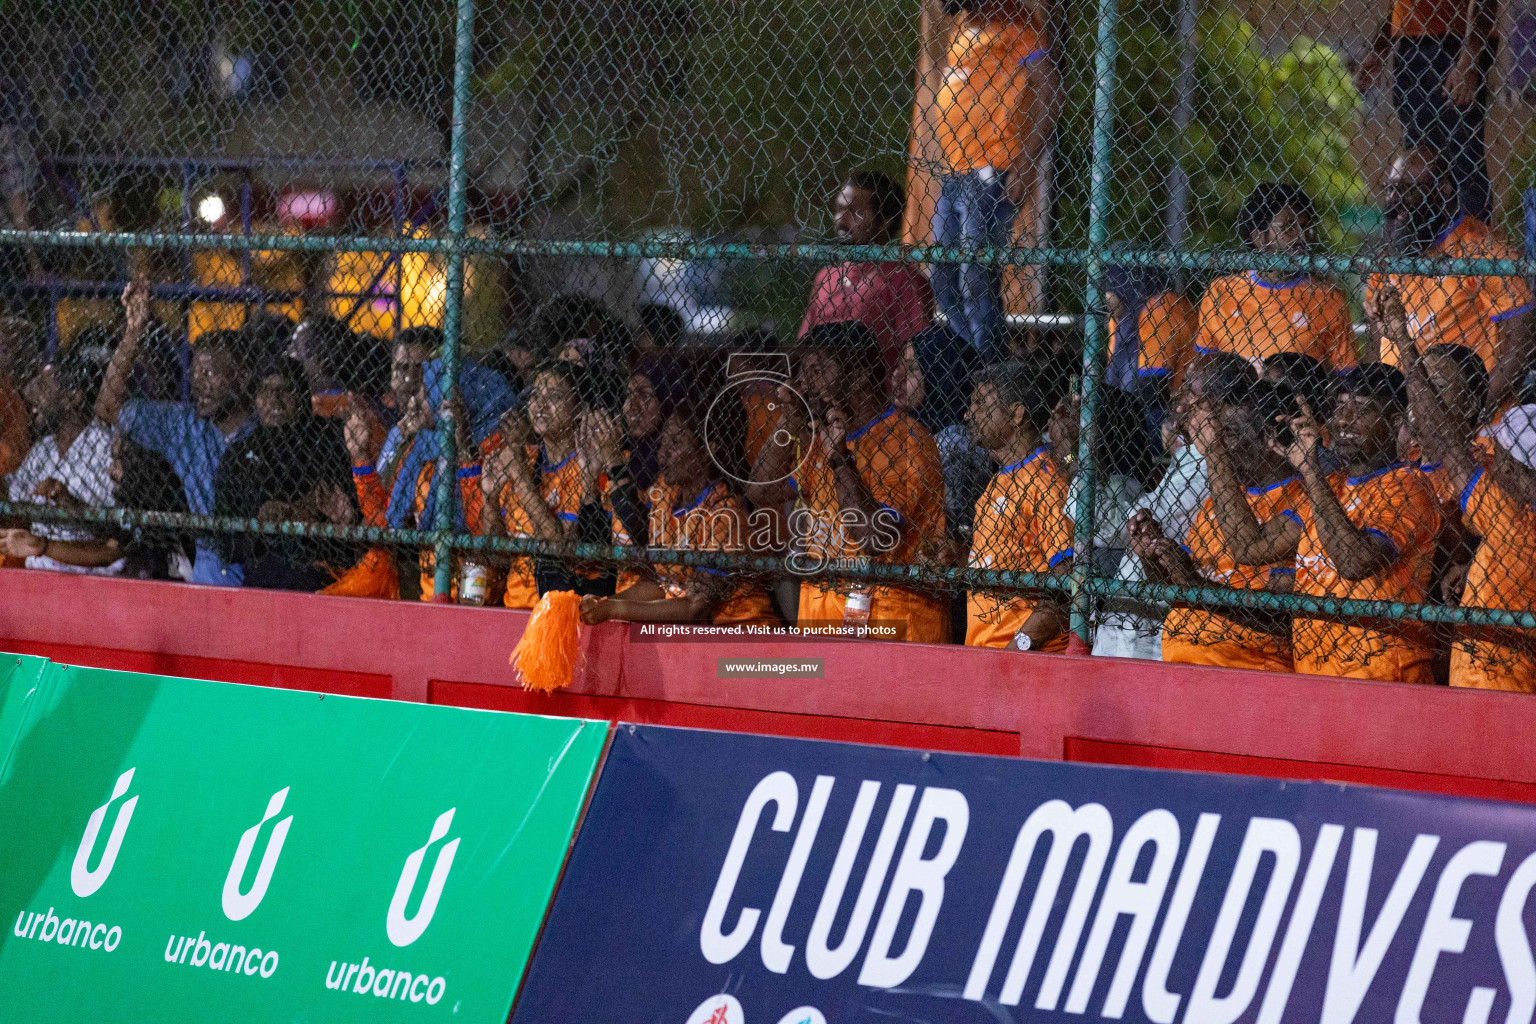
[(546, 656)]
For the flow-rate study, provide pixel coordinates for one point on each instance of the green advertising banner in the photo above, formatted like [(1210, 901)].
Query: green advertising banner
[(177, 850)]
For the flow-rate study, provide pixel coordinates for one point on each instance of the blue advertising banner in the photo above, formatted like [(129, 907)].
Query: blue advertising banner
[(730, 879)]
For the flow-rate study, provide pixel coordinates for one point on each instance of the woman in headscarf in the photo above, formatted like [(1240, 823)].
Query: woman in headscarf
[(483, 395), (933, 381)]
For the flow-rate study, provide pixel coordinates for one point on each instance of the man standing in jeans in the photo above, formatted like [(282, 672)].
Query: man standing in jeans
[(993, 113), (1442, 51)]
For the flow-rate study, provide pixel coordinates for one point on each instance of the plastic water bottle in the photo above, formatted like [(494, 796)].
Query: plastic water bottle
[(473, 583), (856, 608)]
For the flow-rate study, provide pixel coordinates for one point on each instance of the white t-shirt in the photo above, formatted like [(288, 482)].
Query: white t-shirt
[(1127, 629), (85, 469)]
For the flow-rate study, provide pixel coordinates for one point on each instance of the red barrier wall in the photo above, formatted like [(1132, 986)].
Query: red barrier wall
[(950, 698)]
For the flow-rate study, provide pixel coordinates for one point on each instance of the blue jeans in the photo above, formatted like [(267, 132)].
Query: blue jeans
[(973, 212)]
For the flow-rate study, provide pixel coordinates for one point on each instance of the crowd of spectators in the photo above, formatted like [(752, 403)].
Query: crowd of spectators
[(1250, 440)]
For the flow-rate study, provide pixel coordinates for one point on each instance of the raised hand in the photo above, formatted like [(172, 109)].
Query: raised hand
[(791, 411), (1064, 426), (1306, 438), (600, 439), (834, 436), (1385, 310), (358, 437), (136, 304), (21, 544), (1204, 426), (416, 416)]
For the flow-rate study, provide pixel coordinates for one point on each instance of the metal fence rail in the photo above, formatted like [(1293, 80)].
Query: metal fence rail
[(1112, 109)]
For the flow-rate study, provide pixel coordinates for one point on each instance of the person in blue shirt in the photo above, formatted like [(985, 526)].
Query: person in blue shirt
[(191, 436)]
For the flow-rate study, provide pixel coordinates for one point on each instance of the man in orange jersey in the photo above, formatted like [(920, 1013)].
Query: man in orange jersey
[(1259, 314), (1152, 330), (865, 482), (1244, 536), (994, 115), (1486, 314), (1369, 532), (1021, 519), (1493, 497), (1442, 51)]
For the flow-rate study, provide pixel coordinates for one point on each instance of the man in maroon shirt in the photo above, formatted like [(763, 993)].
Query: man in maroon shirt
[(892, 299)]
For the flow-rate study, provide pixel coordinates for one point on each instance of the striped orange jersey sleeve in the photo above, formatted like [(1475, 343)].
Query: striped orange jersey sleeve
[(371, 499), (1167, 328)]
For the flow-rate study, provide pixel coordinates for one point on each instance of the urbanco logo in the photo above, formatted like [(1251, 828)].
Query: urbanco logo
[(83, 880), (405, 930), (240, 905)]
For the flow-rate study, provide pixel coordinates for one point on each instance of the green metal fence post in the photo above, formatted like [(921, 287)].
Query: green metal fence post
[(446, 480), (1095, 329)]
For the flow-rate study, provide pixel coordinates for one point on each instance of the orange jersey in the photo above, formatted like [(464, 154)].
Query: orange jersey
[(987, 90), (1397, 505), (1428, 17), (1243, 315), (715, 520), (560, 487), (1166, 331), (1459, 309), (760, 400), (898, 461), (1503, 575), (1021, 524), (1194, 636)]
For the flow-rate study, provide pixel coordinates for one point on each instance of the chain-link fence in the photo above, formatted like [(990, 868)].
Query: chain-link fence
[(1192, 328)]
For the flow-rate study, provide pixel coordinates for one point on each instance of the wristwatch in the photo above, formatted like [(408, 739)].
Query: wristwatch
[(1022, 640)]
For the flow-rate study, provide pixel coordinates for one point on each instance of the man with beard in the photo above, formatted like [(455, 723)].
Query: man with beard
[(191, 436), (1244, 535), (70, 466), (1486, 314), (1442, 52), (1368, 532), (891, 299)]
